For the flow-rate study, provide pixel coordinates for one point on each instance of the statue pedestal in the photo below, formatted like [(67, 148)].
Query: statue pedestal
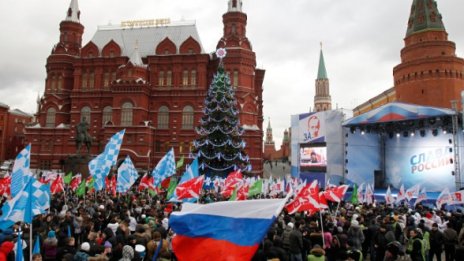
[(77, 164)]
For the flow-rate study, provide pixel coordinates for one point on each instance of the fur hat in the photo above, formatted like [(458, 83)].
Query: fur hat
[(85, 246)]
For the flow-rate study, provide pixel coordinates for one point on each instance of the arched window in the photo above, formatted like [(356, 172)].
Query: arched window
[(163, 117), (126, 114), (85, 113), (50, 120), (187, 118), (107, 115)]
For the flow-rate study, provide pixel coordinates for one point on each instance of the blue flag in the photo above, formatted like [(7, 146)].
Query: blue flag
[(19, 248), (165, 168), (101, 165), (36, 249), (33, 199), (127, 175), (21, 172)]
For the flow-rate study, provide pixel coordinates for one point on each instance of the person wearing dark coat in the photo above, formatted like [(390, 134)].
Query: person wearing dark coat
[(296, 245), (68, 248), (450, 241), (380, 243), (436, 242)]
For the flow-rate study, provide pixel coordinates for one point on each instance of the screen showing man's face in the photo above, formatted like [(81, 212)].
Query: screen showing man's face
[(313, 127)]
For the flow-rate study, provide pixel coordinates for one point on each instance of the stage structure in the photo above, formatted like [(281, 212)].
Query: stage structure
[(408, 144), (317, 145)]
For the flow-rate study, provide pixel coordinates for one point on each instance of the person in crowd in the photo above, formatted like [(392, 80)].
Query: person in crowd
[(415, 246), (317, 253), (436, 243), (50, 246), (450, 241)]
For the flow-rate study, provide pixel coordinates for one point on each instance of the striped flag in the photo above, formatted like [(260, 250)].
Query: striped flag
[(389, 197), (127, 175), (165, 168), (31, 200), (21, 173), (422, 196), (101, 165), (205, 232)]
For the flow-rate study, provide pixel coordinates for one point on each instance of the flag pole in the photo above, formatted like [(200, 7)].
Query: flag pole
[(322, 229), (30, 242)]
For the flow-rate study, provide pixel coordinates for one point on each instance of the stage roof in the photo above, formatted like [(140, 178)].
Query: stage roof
[(397, 111)]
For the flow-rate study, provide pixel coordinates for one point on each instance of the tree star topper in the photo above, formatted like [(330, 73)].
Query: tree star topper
[(221, 53)]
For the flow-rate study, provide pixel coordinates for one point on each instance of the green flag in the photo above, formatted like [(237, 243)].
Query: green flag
[(171, 188), (152, 192), (67, 179), (81, 189), (180, 163), (89, 183), (354, 195), (256, 188), (233, 197)]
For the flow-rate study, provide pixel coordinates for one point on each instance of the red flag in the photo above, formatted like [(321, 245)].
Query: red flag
[(76, 180), (165, 183), (242, 192), (43, 180), (110, 184), (147, 182), (5, 185), (336, 194), (190, 188), (306, 200), (232, 180), (57, 185)]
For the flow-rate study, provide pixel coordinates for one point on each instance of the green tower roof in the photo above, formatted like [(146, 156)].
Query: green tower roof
[(322, 72), (424, 16)]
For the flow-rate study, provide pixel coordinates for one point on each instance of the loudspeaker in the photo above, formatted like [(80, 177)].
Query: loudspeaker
[(379, 179)]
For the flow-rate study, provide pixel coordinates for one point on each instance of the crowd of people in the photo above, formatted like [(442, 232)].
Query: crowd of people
[(135, 226)]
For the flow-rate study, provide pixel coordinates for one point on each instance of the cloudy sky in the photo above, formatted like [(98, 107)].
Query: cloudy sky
[(361, 39)]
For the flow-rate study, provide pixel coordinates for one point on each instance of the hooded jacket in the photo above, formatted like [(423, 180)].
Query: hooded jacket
[(5, 249)]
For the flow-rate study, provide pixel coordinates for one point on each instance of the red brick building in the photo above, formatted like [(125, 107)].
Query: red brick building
[(270, 152), (430, 73), (149, 77), (12, 125)]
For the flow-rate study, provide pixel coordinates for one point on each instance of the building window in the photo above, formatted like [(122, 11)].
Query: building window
[(235, 78), (52, 83), (85, 114), (107, 115), (185, 78), (106, 80), (157, 146), (84, 80), (60, 82), (193, 77), (163, 117), (161, 78), (113, 77), (187, 118), (126, 114), (169, 78), (91, 80), (50, 120), (181, 147)]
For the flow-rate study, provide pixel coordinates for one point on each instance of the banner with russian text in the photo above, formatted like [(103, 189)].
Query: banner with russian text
[(426, 161)]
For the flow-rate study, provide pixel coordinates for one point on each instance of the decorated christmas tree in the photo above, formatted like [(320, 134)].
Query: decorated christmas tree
[(220, 148)]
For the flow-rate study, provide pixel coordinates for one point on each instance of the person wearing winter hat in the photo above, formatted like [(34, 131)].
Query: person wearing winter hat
[(140, 249), (5, 249), (83, 253), (316, 254), (127, 253), (50, 246)]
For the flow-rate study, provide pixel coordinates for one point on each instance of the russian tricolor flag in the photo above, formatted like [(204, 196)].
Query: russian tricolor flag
[(228, 230)]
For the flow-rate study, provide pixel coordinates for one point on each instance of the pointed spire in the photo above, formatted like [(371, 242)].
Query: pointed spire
[(424, 16), (73, 14), (322, 72), (235, 6), (269, 124), (135, 58)]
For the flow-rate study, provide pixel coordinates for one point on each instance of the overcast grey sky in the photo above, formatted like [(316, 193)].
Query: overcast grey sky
[(361, 39)]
